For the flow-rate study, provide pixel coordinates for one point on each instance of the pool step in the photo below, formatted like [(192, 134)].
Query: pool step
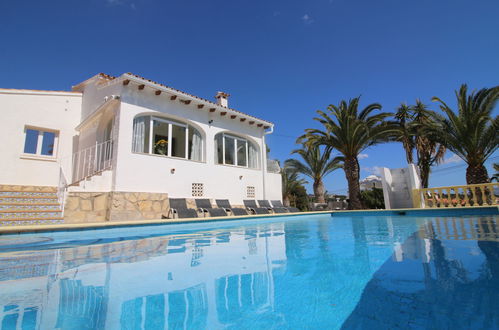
[(36, 206)]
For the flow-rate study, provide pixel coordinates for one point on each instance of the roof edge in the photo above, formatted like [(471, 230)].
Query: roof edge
[(81, 85), (143, 80), (38, 92)]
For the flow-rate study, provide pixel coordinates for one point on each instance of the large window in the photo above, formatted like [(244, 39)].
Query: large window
[(39, 142), (154, 135), (233, 150)]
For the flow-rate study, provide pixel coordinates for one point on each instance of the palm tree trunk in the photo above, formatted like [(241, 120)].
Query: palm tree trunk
[(408, 152), (424, 170), (351, 167), (285, 200), (319, 191), (476, 174)]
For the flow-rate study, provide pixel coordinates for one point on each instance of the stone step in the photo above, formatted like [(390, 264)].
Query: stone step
[(27, 194), (9, 215), (14, 207), (27, 200), (30, 222)]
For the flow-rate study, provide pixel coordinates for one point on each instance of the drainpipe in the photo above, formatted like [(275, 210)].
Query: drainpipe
[(264, 160)]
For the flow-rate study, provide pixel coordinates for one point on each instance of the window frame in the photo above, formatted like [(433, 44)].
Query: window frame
[(170, 123), (39, 142), (236, 139)]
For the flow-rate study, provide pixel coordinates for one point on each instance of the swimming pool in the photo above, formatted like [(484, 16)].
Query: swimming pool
[(347, 271)]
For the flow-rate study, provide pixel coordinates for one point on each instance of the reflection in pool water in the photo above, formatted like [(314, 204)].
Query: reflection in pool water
[(360, 272)]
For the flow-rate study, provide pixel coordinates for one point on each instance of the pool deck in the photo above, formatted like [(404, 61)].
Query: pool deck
[(477, 210)]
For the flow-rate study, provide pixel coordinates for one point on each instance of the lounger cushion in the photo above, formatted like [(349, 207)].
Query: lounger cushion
[(223, 203), (277, 203), (261, 210), (186, 213), (203, 203), (217, 212), (239, 211), (264, 203), (178, 203), (250, 203)]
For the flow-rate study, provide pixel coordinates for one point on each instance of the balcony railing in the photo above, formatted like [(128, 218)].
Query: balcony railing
[(91, 161), (273, 166), (486, 194)]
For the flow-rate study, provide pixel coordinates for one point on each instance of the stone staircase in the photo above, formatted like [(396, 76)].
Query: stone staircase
[(29, 205)]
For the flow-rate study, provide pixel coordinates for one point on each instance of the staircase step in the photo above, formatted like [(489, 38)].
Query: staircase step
[(34, 194), (8, 215), (29, 222), (7, 207), (27, 200)]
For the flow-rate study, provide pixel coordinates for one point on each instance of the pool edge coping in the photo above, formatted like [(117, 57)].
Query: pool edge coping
[(134, 223)]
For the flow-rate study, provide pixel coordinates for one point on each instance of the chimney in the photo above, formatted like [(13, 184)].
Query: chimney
[(222, 99)]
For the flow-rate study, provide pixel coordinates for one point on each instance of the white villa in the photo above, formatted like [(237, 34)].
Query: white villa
[(120, 146)]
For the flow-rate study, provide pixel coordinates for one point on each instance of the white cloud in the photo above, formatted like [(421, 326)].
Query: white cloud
[(362, 156), (376, 170), (452, 159), (307, 19)]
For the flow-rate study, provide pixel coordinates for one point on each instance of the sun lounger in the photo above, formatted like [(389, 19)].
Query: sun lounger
[(279, 204), (179, 209), (255, 209), (204, 205), (224, 203), (275, 209)]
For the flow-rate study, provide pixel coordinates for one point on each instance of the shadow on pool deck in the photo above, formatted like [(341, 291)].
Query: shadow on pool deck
[(433, 284)]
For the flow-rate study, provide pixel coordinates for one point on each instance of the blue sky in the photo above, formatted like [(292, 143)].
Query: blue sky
[(279, 60)]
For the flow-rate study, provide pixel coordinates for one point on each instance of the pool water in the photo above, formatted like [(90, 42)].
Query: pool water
[(305, 272)]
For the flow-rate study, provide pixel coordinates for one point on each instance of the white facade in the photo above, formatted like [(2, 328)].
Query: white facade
[(94, 126), (20, 110), (398, 185)]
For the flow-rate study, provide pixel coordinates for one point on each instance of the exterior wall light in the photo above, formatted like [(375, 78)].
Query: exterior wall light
[(172, 171)]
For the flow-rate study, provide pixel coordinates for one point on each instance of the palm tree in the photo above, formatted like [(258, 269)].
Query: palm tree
[(290, 183), (403, 117), (428, 150), (350, 132), (412, 122), (471, 132), (316, 165)]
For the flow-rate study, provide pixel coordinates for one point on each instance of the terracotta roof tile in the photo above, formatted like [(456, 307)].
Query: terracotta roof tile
[(179, 91)]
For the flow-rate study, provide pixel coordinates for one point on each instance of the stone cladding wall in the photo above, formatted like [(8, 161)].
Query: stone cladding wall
[(83, 207)]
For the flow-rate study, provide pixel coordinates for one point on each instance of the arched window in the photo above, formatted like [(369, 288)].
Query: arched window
[(161, 136), (234, 150)]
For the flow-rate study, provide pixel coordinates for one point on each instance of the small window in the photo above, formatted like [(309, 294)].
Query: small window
[(250, 192), (197, 190), (40, 142)]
